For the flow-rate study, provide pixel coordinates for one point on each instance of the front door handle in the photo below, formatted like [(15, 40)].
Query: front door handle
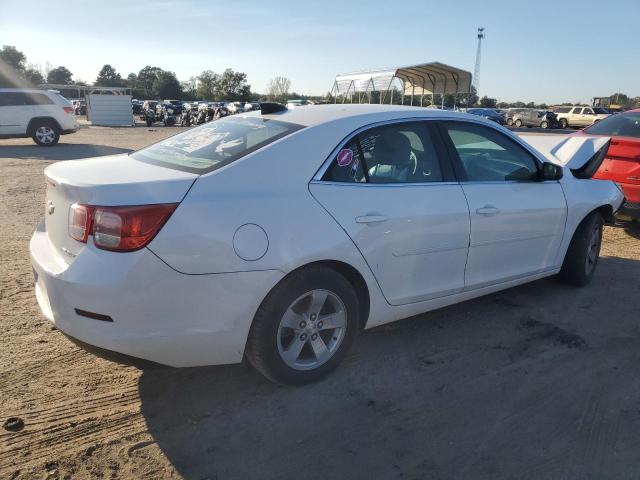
[(371, 219), (487, 210)]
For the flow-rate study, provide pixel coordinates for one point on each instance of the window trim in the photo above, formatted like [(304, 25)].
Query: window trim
[(457, 162), (446, 168)]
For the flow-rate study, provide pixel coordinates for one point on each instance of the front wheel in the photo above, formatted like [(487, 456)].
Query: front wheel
[(563, 123), (584, 250), (304, 327), (544, 124), (509, 122)]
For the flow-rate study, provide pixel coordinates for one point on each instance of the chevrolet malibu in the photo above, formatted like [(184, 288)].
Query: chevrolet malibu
[(278, 235)]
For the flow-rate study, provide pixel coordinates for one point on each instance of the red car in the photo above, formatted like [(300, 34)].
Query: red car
[(622, 163)]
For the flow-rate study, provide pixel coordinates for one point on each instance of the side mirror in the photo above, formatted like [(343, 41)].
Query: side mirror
[(551, 171)]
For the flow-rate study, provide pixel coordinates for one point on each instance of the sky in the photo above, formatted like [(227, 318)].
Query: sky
[(534, 50)]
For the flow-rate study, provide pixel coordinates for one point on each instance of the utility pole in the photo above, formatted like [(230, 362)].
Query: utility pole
[(476, 72)]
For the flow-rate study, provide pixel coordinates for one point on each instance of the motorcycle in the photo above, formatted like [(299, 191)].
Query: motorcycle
[(185, 116), (201, 116), (149, 116), (168, 116)]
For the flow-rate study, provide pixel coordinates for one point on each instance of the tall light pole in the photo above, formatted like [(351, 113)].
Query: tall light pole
[(476, 72)]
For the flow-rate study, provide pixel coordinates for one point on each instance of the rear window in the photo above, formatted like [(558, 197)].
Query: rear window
[(619, 125), (215, 144)]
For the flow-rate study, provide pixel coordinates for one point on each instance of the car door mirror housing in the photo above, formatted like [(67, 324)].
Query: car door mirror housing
[(551, 171)]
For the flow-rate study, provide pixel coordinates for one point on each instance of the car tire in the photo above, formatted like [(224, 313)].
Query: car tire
[(518, 123), (509, 122), (584, 250), (562, 123), (45, 133), (544, 124), (291, 302)]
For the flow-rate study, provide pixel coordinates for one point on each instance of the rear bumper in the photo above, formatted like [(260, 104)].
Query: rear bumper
[(158, 314)]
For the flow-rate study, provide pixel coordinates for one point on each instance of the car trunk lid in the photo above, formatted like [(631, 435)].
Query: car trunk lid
[(105, 181), (622, 162)]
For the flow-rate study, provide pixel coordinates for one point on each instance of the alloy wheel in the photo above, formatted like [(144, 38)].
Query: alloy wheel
[(312, 329), (45, 134)]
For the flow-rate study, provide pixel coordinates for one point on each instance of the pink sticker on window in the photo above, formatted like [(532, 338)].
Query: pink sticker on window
[(345, 157)]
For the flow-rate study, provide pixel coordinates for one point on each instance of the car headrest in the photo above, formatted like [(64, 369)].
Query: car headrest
[(392, 148)]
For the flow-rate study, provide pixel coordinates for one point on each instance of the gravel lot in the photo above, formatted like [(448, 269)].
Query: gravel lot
[(539, 381)]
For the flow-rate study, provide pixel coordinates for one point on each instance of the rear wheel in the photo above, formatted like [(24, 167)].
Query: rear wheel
[(509, 122), (45, 133), (584, 250), (518, 123), (544, 124), (563, 123), (304, 327)]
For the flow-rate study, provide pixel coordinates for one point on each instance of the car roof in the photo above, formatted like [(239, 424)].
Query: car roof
[(27, 90), (309, 115)]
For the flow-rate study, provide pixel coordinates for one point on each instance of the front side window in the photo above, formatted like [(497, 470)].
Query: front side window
[(215, 144), (577, 111), (12, 99), (397, 153), (487, 155), (587, 111)]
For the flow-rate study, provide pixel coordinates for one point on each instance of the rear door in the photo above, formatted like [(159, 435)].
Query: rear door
[(392, 190), (517, 221)]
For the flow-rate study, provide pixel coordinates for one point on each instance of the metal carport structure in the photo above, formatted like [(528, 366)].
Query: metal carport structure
[(432, 78)]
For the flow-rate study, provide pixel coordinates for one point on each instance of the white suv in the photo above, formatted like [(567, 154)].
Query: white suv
[(43, 115), (579, 116)]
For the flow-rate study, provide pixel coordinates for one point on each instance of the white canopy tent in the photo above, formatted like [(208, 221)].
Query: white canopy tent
[(433, 78)]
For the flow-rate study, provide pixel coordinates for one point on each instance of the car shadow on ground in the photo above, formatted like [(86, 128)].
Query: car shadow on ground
[(631, 228), (62, 151), (538, 381)]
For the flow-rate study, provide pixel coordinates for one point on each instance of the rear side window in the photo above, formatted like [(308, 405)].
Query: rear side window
[(563, 109), (397, 153), (37, 99), (487, 155), (619, 125), (215, 144)]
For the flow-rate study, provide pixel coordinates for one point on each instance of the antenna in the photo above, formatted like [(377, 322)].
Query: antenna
[(476, 72)]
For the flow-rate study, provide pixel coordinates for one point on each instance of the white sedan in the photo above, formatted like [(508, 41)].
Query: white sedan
[(279, 235)]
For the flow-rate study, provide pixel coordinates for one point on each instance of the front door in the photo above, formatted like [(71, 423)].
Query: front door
[(517, 221), (14, 113), (394, 194)]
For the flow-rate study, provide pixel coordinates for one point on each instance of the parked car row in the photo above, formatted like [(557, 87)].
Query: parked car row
[(186, 114)]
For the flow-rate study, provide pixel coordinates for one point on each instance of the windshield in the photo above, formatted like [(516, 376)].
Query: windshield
[(619, 125), (215, 144)]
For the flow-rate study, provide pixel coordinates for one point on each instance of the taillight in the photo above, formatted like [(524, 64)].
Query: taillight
[(80, 222), (120, 229), (68, 109)]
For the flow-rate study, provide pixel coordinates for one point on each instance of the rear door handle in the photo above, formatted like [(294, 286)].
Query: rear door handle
[(487, 210), (371, 219)]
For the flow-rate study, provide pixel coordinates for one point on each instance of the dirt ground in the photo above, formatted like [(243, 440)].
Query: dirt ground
[(536, 382)]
